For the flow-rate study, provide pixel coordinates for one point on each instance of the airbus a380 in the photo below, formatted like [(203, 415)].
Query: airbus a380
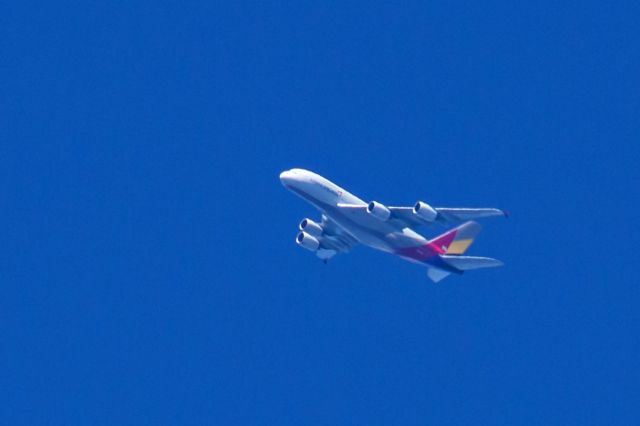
[(348, 221)]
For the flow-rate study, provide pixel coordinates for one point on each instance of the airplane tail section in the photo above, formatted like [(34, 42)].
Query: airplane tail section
[(457, 240), (467, 263), (459, 264), (437, 274), (454, 243)]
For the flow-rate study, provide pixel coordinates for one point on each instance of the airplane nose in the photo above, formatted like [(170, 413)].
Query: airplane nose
[(286, 177)]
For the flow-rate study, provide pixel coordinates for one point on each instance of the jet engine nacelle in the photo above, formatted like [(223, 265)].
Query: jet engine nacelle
[(425, 211), (378, 211), (307, 241), (310, 227)]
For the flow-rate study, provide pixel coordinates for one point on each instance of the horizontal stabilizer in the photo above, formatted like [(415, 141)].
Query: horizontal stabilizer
[(437, 274), (466, 263)]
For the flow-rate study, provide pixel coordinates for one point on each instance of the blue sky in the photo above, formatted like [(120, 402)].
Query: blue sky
[(149, 273)]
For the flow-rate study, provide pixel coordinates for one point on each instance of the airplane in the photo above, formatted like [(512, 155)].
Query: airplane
[(347, 221)]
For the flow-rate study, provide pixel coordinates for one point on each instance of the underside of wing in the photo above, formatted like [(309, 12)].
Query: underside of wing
[(325, 239), (408, 217), (460, 213), (335, 237), (442, 215), (423, 214)]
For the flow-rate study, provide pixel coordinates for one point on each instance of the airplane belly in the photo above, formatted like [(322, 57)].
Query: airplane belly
[(368, 230), (366, 237), (373, 232)]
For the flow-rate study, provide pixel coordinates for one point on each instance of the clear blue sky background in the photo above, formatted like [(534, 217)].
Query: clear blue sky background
[(148, 270)]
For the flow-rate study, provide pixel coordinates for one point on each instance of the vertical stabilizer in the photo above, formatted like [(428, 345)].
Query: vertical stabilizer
[(457, 240)]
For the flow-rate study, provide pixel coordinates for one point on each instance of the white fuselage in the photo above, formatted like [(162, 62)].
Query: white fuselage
[(387, 236)]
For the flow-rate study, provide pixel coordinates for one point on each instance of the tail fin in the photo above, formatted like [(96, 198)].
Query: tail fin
[(457, 240), (466, 263)]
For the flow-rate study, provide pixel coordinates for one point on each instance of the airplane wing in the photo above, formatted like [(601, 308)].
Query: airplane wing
[(326, 238), (445, 214), (405, 217), (334, 239)]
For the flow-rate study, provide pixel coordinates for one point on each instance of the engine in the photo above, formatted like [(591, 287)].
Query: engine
[(425, 212), (310, 227), (307, 241), (378, 211)]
